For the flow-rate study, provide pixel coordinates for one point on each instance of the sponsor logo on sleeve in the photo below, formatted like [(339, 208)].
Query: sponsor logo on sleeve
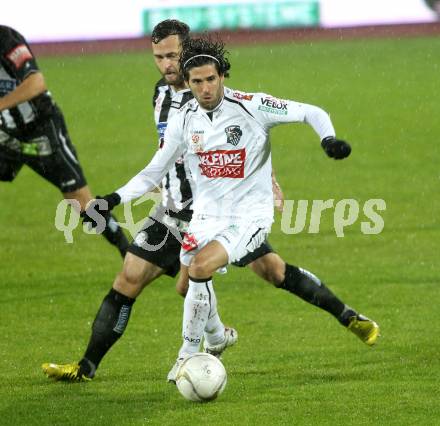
[(223, 163), (19, 55), (273, 106), (242, 96), (161, 127), (233, 134)]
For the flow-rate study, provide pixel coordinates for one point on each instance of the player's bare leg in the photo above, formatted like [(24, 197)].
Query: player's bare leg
[(112, 232), (208, 260), (82, 195), (182, 281), (136, 274), (272, 268)]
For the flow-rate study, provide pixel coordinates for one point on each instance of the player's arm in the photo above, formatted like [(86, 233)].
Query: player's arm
[(320, 121), (19, 61), (28, 89), (146, 180), (271, 111), (150, 177)]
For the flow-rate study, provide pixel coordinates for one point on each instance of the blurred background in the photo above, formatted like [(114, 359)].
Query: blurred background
[(103, 20)]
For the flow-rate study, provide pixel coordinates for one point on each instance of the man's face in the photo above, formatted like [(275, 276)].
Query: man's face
[(206, 85), (166, 56)]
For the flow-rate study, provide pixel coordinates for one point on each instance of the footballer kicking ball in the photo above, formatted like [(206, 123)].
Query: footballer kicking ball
[(201, 377)]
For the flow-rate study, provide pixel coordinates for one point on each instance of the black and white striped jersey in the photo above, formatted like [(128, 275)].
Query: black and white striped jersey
[(176, 187), (16, 63)]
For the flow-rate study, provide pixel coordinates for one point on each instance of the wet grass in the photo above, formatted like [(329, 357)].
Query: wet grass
[(293, 364)]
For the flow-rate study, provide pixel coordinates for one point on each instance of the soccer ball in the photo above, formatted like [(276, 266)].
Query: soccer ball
[(201, 377)]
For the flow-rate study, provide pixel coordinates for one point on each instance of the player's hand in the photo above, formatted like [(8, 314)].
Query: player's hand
[(100, 207), (335, 148)]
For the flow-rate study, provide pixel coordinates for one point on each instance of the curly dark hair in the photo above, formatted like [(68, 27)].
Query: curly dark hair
[(210, 51), (170, 27)]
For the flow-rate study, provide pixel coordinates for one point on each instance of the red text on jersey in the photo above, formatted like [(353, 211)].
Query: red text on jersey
[(242, 96), (223, 163)]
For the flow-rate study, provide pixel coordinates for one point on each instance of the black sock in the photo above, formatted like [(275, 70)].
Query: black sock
[(114, 235), (309, 288), (109, 325)]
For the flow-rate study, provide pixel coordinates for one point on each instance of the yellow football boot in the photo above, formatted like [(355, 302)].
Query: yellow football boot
[(64, 372), (364, 328)]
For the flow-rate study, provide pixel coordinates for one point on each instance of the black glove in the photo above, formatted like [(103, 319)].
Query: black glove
[(335, 148), (94, 211)]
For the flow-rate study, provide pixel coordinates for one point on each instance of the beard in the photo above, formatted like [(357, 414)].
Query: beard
[(174, 79)]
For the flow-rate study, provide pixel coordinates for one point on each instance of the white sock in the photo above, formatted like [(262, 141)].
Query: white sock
[(196, 310), (214, 330)]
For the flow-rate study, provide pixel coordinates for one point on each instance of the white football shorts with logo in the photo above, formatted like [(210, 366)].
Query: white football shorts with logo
[(237, 235)]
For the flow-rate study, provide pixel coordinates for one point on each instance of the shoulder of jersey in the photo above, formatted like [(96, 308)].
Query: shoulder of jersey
[(191, 105), (161, 85)]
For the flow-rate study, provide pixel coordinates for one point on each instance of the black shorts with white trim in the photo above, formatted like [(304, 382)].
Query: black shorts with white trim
[(156, 244), (261, 251), (49, 152)]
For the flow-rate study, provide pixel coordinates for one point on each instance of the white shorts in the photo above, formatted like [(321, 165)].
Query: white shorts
[(238, 237)]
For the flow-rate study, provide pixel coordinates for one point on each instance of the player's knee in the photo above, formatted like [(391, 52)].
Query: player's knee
[(200, 267), (129, 282)]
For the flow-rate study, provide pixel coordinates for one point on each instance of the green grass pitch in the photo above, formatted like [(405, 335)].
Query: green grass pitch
[(293, 364)]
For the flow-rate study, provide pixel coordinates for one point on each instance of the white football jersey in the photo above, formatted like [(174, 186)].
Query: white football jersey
[(228, 152)]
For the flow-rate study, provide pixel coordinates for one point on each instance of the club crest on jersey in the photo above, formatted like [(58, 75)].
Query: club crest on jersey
[(233, 134)]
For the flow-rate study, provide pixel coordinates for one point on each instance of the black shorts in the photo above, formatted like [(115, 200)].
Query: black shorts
[(156, 244), (164, 248), (49, 152), (264, 249)]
